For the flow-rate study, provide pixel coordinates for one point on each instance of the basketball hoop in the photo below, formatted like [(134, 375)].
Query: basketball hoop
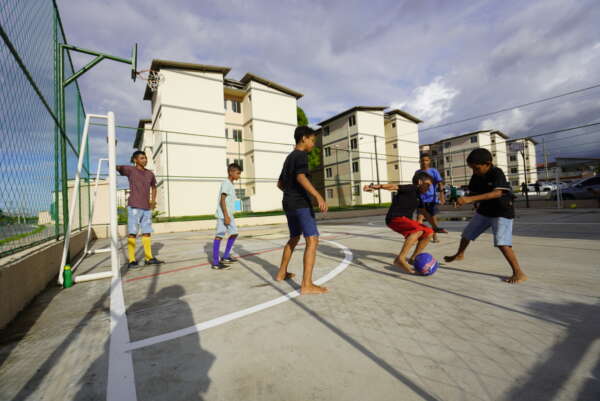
[(151, 77)]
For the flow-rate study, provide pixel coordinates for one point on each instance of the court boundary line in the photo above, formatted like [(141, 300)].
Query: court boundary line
[(132, 346)]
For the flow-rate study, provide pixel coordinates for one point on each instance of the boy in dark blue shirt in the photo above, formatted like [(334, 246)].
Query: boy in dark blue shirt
[(428, 208)]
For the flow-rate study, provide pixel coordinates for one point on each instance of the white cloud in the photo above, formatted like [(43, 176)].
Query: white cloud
[(514, 121), (432, 102)]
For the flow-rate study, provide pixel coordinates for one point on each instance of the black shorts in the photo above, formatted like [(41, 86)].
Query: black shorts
[(430, 207)]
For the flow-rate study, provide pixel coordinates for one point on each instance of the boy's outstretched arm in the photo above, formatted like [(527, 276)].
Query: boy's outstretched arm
[(463, 200), (280, 185), (387, 187)]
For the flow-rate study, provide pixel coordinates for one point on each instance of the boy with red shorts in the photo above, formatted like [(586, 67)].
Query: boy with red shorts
[(399, 217)]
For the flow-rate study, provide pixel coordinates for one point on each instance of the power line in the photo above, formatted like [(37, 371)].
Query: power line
[(512, 108)]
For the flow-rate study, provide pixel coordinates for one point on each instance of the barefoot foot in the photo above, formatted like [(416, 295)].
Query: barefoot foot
[(453, 258), (284, 276), (313, 289), (516, 278), (405, 267)]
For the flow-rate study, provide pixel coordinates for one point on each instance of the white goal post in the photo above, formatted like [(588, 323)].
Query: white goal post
[(112, 199)]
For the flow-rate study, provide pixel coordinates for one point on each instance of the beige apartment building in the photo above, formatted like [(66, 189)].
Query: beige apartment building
[(364, 145), (519, 170), (201, 121), (449, 155)]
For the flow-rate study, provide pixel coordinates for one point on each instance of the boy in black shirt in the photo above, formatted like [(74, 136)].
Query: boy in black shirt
[(491, 193), (399, 217), (296, 187)]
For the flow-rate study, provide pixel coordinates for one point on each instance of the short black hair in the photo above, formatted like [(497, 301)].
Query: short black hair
[(136, 154), (422, 176), (234, 166), (480, 156), (303, 131), (424, 155)]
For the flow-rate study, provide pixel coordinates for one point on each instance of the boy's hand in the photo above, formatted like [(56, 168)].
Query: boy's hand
[(442, 200), (368, 188), (227, 220), (463, 200), (152, 204), (322, 204)]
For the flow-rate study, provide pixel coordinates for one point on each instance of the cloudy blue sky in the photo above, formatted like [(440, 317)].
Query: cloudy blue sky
[(440, 60)]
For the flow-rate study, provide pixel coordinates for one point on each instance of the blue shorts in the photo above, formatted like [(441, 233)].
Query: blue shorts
[(302, 221), (223, 229), (139, 218), (501, 228), (430, 207)]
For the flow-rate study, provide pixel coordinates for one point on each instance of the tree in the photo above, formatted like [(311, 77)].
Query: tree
[(314, 157)]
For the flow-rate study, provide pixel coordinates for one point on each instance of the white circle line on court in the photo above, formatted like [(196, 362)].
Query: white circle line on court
[(244, 312)]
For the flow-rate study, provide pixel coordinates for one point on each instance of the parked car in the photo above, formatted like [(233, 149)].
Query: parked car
[(544, 187), (580, 189)]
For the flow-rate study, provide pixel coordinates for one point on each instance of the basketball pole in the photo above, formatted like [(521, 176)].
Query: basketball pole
[(61, 86)]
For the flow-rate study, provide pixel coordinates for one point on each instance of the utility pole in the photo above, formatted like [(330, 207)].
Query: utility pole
[(377, 169), (526, 181), (545, 158), (350, 164)]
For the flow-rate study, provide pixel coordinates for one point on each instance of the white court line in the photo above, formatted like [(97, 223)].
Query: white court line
[(121, 380), (244, 312)]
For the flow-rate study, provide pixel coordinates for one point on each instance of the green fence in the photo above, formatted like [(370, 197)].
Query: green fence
[(38, 160)]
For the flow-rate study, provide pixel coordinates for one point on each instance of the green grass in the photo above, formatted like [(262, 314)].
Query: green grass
[(23, 235)]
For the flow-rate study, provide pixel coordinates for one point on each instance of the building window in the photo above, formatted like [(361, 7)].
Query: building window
[(395, 146), (447, 144), (514, 170), (249, 98), (433, 152), (356, 190), (328, 151), (226, 133), (352, 121), (329, 193), (328, 172), (240, 193), (239, 162), (493, 154), (448, 159), (325, 131), (493, 140), (354, 143), (514, 183), (227, 164), (393, 125), (236, 106), (473, 139), (513, 158), (355, 167), (448, 173), (225, 104), (252, 158), (250, 127), (395, 167), (237, 135)]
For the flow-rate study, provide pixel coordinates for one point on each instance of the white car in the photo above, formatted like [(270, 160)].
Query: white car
[(585, 188)]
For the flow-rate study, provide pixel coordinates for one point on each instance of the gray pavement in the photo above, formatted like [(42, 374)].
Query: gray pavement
[(461, 334)]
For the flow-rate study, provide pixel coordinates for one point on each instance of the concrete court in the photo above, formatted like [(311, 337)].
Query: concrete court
[(461, 334)]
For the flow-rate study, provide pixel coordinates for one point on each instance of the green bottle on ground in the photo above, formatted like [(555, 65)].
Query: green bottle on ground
[(67, 277)]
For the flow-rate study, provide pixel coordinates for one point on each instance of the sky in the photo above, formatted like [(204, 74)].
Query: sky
[(441, 61)]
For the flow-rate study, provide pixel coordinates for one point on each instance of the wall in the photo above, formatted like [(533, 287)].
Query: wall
[(29, 273)]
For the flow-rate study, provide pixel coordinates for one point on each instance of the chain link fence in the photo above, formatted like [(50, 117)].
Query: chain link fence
[(31, 183)]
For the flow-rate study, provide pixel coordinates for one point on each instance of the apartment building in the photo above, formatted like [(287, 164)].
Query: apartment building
[(364, 145), (449, 155), (519, 170), (201, 121)]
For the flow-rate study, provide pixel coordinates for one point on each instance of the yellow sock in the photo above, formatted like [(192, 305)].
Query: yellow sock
[(131, 249), (147, 248)]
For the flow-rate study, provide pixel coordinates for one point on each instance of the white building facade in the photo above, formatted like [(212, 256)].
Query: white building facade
[(364, 145), (201, 122)]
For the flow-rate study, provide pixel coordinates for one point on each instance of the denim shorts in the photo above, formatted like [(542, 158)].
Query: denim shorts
[(302, 221), (501, 228), (139, 218), (223, 229)]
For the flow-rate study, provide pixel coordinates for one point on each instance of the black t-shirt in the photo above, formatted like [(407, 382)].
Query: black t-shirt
[(404, 202), (482, 184), (294, 194)]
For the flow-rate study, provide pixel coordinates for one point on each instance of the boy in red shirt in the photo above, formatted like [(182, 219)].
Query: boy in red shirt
[(399, 217)]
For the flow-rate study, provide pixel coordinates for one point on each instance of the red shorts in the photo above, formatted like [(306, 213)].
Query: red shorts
[(406, 227)]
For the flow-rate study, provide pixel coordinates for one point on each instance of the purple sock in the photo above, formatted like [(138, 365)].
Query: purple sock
[(216, 247), (229, 245)]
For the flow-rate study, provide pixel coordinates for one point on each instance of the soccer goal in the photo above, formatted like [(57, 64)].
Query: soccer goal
[(112, 207)]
